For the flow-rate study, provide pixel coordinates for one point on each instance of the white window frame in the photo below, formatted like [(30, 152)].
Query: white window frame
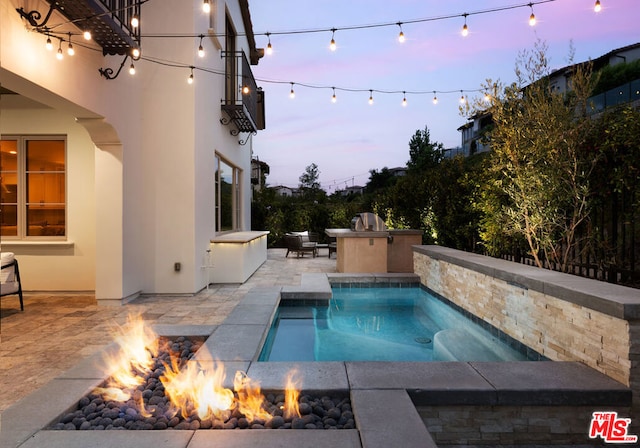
[(22, 202), (236, 197)]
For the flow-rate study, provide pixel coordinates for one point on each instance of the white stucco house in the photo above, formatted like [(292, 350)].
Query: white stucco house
[(128, 184)]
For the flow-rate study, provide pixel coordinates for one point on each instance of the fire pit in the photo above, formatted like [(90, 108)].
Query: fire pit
[(160, 383)]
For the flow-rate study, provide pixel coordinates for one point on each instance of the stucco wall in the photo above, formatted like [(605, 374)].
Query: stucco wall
[(154, 135), (70, 267)]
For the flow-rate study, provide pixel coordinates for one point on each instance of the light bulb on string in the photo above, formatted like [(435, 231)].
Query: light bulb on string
[(49, 45), (370, 97), (190, 79), (135, 53), (70, 50), (435, 98), (86, 35), (597, 7), (532, 17), (132, 69), (465, 28), (334, 99), (292, 94), (404, 99), (201, 48), (59, 55), (206, 6), (245, 89), (401, 37), (134, 21), (462, 98), (332, 45), (269, 47), (487, 97)]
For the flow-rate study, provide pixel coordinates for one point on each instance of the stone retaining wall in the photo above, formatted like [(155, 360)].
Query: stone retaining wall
[(561, 316), (510, 425)]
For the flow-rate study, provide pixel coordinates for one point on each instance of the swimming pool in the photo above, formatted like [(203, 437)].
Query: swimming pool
[(381, 324)]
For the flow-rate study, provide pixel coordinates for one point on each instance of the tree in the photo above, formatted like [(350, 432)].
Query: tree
[(423, 153), (309, 179), (540, 184)]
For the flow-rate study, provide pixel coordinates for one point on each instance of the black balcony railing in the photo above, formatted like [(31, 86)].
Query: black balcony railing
[(626, 93), (109, 22), (244, 101)]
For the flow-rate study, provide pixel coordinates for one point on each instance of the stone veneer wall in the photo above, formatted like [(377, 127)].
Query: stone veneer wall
[(510, 425), (561, 316)]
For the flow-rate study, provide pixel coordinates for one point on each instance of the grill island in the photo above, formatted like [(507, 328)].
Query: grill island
[(368, 246)]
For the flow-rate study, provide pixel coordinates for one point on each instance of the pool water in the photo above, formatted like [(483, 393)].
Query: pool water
[(381, 324)]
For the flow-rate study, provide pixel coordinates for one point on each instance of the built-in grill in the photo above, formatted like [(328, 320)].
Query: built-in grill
[(367, 222)]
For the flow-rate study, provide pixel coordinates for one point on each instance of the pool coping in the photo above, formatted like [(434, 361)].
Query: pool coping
[(614, 300), (398, 386)]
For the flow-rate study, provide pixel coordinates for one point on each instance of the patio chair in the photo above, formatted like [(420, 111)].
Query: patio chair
[(314, 237), (10, 277), (295, 244), (333, 246)]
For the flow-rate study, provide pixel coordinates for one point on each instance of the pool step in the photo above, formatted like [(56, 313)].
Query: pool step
[(457, 344)]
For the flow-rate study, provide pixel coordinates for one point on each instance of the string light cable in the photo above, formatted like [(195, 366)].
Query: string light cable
[(333, 30)]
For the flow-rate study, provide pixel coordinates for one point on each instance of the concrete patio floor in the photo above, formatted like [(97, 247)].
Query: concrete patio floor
[(56, 331)]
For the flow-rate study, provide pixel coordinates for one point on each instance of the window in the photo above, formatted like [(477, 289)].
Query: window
[(33, 187), (227, 178), (230, 63)]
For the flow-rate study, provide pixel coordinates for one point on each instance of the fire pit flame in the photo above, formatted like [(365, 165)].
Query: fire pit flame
[(292, 392), (192, 388), (138, 345), (250, 400)]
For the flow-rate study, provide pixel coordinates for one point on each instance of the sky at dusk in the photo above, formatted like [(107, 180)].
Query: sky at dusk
[(350, 137)]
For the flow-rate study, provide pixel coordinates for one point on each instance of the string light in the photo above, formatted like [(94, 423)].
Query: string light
[(135, 53), (206, 7), (49, 45), (269, 47), (292, 94), (200, 48), (59, 55), (401, 37), (332, 45), (597, 7), (333, 98), (132, 69), (87, 35), (134, 21), (190, 79), (404, 99), (370, 97), (487, 97), (465, 28), (435, 98), (462, 98), (245, 89), (70, 50), (532, 17)]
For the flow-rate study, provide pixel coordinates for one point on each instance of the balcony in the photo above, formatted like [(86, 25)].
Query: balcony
[(109, 22), (243, 103)]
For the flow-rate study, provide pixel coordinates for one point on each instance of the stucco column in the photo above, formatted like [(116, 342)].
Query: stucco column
[(109, 211)]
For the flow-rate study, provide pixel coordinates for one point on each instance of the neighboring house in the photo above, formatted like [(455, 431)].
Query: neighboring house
[(124, 186), (281, 190), (398, 171), (472, 133), (354, 189), (259, 173), (559, 80)]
